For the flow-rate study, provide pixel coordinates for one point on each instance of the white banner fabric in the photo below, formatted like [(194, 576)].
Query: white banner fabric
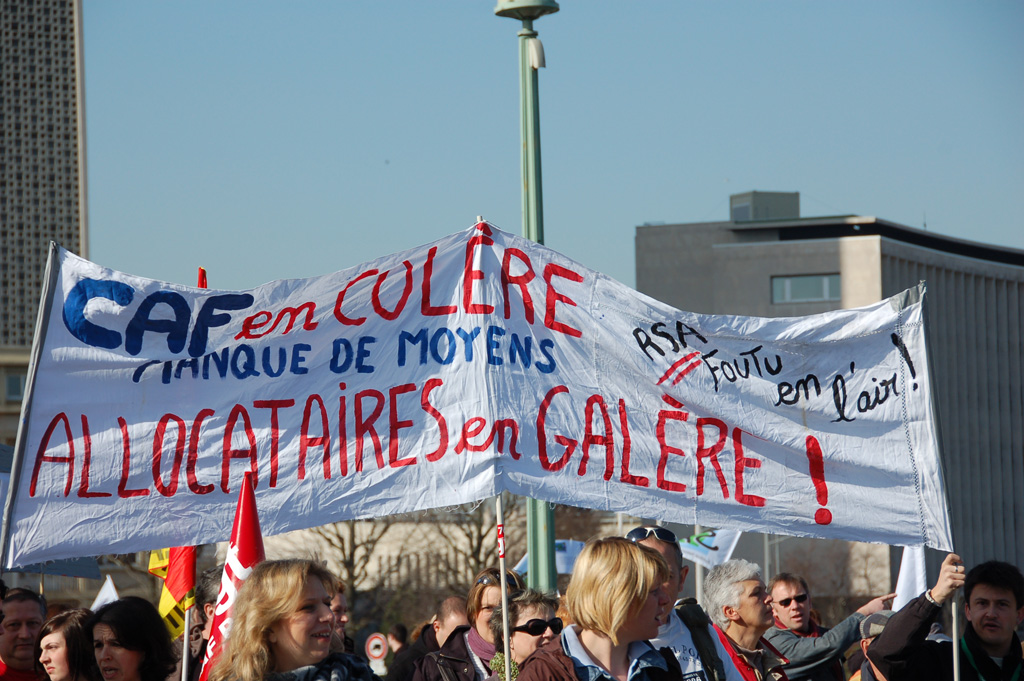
[(478, 363)]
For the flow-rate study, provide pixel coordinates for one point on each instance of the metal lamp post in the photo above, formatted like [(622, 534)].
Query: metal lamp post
[(540, 519)]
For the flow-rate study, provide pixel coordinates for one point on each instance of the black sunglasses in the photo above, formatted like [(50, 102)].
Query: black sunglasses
[(538, 627), (513, 580), (640, 533), (786, 601)]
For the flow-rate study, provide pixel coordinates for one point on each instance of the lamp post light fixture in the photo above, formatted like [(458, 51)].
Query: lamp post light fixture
[(540, 519)]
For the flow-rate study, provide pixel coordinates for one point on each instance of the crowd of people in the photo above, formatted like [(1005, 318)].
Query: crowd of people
[(618, 620)]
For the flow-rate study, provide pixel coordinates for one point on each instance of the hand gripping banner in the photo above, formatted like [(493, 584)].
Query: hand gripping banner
[(478, 363)]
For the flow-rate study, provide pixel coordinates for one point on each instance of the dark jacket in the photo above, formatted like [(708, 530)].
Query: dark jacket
[(453, 655), (403, 667), (552, 663), (818, 657), (902, 651), (336, 667)]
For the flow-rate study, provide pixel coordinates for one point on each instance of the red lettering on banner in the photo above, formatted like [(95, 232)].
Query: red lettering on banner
[(238, 412), (470, 274), (253, 323), (553, 297), (126, 455), (442, 425), (607, 440), (339, 315), (83, 488), (426, 309), (323, 440), (366, 426), (158, 451), (472, 428), (275, 431), (193, 454), (395, 425), (519, 280), (500, 426), (41, 455), (741, 463), (664, 416), (542, 439), (342, 432), (375, 298), (711, 453), (627, 445)]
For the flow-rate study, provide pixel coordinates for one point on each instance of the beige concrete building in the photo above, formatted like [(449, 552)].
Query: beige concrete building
[(784, 265), (42, 171)]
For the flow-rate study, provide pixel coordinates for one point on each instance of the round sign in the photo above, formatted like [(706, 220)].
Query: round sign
[(376, 646)]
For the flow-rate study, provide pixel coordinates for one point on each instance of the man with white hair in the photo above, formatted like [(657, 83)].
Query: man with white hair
[(740, 606)]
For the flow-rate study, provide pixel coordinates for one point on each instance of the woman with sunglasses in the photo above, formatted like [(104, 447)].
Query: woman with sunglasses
[(532, 623), (467, 654), (617, 600)]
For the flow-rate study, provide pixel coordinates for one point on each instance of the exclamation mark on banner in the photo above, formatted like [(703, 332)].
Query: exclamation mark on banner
[(822, 516), (898, 342)]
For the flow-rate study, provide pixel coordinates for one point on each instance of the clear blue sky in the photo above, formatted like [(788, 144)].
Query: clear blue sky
[(276, 140)]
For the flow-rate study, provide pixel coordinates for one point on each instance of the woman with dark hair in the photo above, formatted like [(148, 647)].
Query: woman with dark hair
[(131, 642), (63, 649)]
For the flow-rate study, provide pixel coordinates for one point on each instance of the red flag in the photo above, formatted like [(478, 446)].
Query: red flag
[(181, 572), (202, 278), (244, 551)]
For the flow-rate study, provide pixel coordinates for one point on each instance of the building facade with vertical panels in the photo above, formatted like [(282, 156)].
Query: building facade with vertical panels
[(975, 319), (42, 171)]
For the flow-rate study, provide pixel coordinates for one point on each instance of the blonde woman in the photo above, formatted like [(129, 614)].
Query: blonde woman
[(282, 628), (617, 601)]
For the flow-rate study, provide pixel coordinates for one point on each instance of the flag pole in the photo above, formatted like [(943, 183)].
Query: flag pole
[(956, 637), (499, 512), (186, 642)]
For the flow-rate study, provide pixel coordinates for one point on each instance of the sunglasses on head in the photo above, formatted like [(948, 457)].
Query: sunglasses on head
[(538, 627), (512, 580), (786, 601), (640, 533)]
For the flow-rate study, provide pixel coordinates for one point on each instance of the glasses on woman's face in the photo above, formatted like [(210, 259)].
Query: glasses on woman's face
[(641, 533), (538, 627)]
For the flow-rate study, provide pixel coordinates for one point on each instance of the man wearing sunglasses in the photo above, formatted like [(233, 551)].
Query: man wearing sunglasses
[(686, 630), (814, 652)]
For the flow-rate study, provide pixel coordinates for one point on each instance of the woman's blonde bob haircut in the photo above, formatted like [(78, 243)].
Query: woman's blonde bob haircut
[(610, 582), (271, 592)]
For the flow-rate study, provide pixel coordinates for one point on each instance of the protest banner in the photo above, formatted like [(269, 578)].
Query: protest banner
[(478, 363)]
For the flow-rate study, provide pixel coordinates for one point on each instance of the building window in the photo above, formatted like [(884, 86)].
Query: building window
[(15, 387), (807, 288)]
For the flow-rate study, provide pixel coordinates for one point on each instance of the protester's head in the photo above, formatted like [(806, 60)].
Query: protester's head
[(791, 601), (282, 620), (736, 597), (397, 637), (339, 608), (130, 641), (617, 590), (994, 604), (870, 627), (450, 616), (24, 612), (63, 649), (207, 590), (485, 595), (664, 542), (531, 621)]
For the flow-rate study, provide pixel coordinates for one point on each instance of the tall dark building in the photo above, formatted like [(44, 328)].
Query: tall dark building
[(42, 171)]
